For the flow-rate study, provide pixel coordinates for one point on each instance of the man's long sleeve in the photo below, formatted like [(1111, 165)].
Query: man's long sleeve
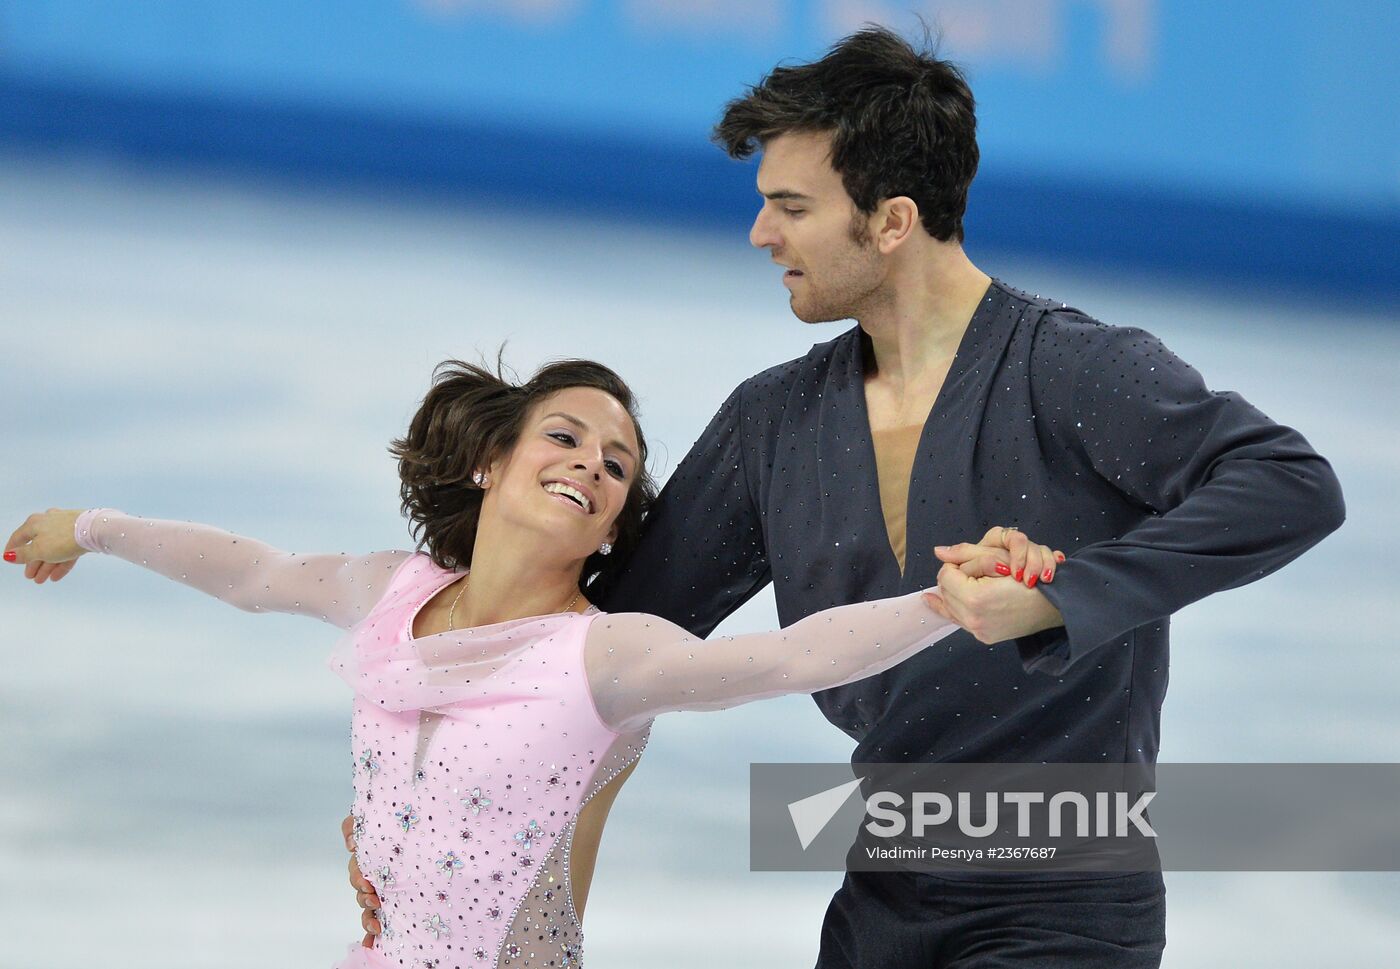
[(1231, 496), (702, 552)]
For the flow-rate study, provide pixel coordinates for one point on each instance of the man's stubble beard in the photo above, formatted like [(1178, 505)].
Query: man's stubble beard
[(854, 294)]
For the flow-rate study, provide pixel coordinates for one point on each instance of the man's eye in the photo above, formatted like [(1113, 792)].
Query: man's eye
[(794, 211)]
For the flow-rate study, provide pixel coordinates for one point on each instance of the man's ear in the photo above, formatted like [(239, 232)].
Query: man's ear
[(897, 218)]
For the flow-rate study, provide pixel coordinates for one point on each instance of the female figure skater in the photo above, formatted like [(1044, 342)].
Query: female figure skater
[(496, 711)]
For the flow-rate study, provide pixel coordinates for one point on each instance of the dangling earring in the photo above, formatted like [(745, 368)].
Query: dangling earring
[(605, 548), (479, 479)]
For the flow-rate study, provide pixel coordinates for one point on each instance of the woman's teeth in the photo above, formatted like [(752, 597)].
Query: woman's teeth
[(558, 488)]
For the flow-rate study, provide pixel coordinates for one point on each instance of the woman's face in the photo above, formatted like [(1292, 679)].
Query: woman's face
[(570, 472)]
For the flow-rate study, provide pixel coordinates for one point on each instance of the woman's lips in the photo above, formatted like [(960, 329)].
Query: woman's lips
[(570, 503)]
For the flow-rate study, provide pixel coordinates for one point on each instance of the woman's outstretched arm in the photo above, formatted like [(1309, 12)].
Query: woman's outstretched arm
[(243, 572), (640, 665)]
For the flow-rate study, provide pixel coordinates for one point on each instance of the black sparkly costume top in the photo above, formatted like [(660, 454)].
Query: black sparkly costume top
[(1094, 439)]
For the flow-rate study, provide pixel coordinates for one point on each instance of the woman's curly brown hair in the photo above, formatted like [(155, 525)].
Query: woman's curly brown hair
[(472, 416)]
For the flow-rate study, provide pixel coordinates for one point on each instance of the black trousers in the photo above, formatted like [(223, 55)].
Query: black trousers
[(892, 920)]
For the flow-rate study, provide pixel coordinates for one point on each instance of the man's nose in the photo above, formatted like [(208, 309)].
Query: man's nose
[(761, 234)]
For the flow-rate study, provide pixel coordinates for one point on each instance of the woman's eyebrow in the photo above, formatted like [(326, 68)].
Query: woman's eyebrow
[(584, 427)]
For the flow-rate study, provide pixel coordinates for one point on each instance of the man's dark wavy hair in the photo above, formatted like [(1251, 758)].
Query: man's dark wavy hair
[(902, 122), (470, 417)]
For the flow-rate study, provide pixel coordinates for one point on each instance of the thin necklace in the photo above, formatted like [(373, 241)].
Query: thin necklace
[(452, 612)]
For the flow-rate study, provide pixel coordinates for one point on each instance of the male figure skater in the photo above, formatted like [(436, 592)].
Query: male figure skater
[(955, 403)]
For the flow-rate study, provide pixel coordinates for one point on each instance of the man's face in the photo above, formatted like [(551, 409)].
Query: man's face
[(810, 226)]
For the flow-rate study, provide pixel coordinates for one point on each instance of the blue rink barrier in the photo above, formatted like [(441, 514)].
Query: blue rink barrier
[(1299, 248)]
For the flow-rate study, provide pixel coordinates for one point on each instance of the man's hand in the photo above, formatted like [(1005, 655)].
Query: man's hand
[(992, 609), (365, 893)]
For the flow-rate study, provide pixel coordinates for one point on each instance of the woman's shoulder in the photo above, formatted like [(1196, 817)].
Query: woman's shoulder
[(401, 572), (414, 563), (633, 628)]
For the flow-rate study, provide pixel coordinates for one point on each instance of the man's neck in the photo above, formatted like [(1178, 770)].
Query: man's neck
[(915, 331)]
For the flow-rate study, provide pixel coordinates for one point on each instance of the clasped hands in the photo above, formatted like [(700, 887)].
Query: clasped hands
[(988, 588), (992, 610)]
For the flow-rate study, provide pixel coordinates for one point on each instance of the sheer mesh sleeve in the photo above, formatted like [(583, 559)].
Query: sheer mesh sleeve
[(640, 665), (243, 572)]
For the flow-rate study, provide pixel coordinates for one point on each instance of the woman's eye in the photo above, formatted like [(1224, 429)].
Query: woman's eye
[(617, 470), (563, 437)]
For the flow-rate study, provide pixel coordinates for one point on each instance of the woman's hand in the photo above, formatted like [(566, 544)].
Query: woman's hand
[(1006, 552), (45, 546), (364, 891)]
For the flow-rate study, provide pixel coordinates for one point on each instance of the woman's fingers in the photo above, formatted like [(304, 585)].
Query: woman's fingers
[(44, 539), (1017, 544), (1041, 562), (1004, 551), (19, 538), (370, 924), (347, 831), (20, 551), (1034, 564), (990, 562)]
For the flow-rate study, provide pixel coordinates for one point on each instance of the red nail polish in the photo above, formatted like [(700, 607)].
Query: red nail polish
[(1019, 574), (1030, 583), (1003, 569), (1045, 577), (9, 556)]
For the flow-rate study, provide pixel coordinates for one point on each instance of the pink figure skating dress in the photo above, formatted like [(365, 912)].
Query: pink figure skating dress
[(474, 750)]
